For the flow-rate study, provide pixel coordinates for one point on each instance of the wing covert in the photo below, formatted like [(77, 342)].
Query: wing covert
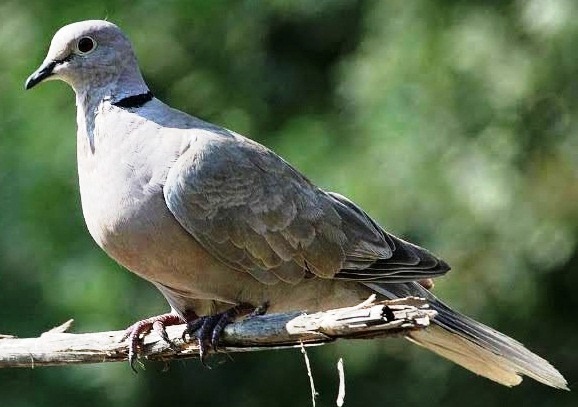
[(254, 212)]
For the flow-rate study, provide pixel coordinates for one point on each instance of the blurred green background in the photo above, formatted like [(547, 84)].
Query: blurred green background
[(453, 123)]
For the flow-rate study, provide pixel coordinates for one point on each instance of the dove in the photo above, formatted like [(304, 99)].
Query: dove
[(223, 226)]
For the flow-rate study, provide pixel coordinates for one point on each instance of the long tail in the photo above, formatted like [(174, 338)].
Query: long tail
[(473, 345)]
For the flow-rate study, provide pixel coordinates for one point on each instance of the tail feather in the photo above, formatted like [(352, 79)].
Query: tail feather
[(464, 353), (474, 345)]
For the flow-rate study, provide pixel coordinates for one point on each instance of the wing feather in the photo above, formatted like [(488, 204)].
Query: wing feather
[(257, 214)]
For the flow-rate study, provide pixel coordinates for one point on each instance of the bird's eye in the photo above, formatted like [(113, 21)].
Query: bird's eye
[(85, 45)]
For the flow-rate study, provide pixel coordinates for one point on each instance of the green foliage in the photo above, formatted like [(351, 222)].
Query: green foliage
[(455, 124)]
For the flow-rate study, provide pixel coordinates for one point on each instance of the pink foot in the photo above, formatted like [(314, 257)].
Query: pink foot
[(158, 324)]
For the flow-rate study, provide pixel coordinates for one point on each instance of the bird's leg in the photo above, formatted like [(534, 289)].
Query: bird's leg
[(208, 329), (133, 333)]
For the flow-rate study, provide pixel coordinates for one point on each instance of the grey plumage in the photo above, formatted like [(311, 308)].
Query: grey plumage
[(474, 345), (214, 219)]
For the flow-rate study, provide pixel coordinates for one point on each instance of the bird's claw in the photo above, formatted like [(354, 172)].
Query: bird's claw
[(207, 330), (158, 324)]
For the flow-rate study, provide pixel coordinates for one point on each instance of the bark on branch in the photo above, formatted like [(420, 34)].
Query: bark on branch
[(271, 331)]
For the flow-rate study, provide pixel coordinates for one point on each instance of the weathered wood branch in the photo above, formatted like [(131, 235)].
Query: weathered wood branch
[(367, 320)]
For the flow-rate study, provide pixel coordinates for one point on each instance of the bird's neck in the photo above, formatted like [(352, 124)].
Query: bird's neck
[(89, 102)]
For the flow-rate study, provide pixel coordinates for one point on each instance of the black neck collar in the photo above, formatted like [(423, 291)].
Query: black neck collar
[(134, 101)]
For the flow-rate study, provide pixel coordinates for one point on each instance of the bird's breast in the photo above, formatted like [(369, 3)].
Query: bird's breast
[(121, 204), (121, 186)]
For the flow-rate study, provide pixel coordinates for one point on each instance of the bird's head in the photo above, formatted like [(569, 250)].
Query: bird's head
[(86, 54)]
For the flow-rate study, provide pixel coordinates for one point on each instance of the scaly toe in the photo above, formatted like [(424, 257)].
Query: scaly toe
[(208, 329), (225, 319), (134, 332)]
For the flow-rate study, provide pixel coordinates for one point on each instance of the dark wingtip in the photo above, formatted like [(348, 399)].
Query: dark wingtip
[(443, 266)]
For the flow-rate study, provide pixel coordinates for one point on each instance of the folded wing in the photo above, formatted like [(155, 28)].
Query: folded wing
[(256, 213)]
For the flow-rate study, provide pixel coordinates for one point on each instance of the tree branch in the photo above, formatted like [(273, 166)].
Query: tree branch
[(272, 331)]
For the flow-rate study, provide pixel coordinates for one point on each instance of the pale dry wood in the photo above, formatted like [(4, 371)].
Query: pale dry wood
[(271, 331), (314, 393), (341, 393)]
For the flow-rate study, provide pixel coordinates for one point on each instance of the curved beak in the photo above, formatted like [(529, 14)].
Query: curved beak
[(43, 72)]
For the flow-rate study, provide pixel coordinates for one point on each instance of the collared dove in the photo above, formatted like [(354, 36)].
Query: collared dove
[(221, 225)]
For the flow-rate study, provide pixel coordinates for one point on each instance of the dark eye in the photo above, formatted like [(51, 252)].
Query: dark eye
[(85, 45)]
